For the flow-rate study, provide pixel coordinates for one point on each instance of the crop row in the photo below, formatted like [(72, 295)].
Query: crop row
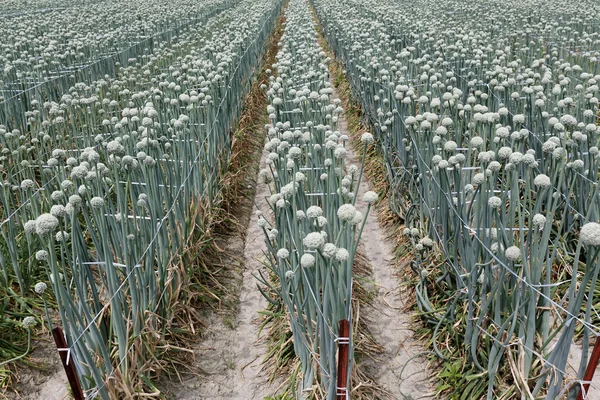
[(315, 231)]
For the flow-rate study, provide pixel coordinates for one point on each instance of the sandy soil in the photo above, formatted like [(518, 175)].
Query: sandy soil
[(389, 320), (47, 382)]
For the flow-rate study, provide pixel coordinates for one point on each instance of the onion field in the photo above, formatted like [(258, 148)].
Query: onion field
[(465, 135)]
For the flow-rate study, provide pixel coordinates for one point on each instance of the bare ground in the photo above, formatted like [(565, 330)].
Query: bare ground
[(46, 381)]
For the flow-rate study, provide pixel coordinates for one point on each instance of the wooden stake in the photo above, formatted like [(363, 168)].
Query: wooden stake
[(67, 362), (342, 373), (591, 368)]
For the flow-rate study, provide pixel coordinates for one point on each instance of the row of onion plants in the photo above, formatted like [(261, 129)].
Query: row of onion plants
[(313, 228)]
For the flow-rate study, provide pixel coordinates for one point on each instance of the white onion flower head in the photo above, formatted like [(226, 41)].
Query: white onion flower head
[(29, 322), (342, 254), (283, 254), (476, 141), (313, 240), (450, 146), (367, 138), (294, 152), (370, 197), (280, 203), (314, 212), (29, 226), (262, 222), (289, 274), (97, 202), (339, 152), (27, 184), (321, 221), (539, 220), (427, 242), (357, 218), (45, 224), (273, 234), (542, 181), (307, 260), (329, 250), (590, 234), (41, 255), (494, 202), (513, 253), (346, 212), (478, 178), (40, 288)]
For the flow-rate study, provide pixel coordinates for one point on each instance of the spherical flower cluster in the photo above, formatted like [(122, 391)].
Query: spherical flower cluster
[(513, 253), (494, 202), (370, 197), (45, 224), (342, 254), (427, 242), (329, 250), (358, 217), (307, 260), (339, 152), (539, 220), (262, 222), (590, 234), (476, 141), (478, 178), (27, 184), (450, 146), (97, 202), (314, 212), (40, 288), (29, 322), (29, 227), (273, 234), (41, 255), (62, 236), (300, 215), (346, 212), (542, 181), (283, 254), (321, 221), (367, 138), (313, 240)]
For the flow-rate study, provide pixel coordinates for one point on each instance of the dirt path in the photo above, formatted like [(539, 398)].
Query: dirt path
[(231, 352), (389, 320), (47, 381)]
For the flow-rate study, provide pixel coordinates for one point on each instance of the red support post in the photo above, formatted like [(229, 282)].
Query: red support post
[(591, 368), (67, 362), (342, 372)]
